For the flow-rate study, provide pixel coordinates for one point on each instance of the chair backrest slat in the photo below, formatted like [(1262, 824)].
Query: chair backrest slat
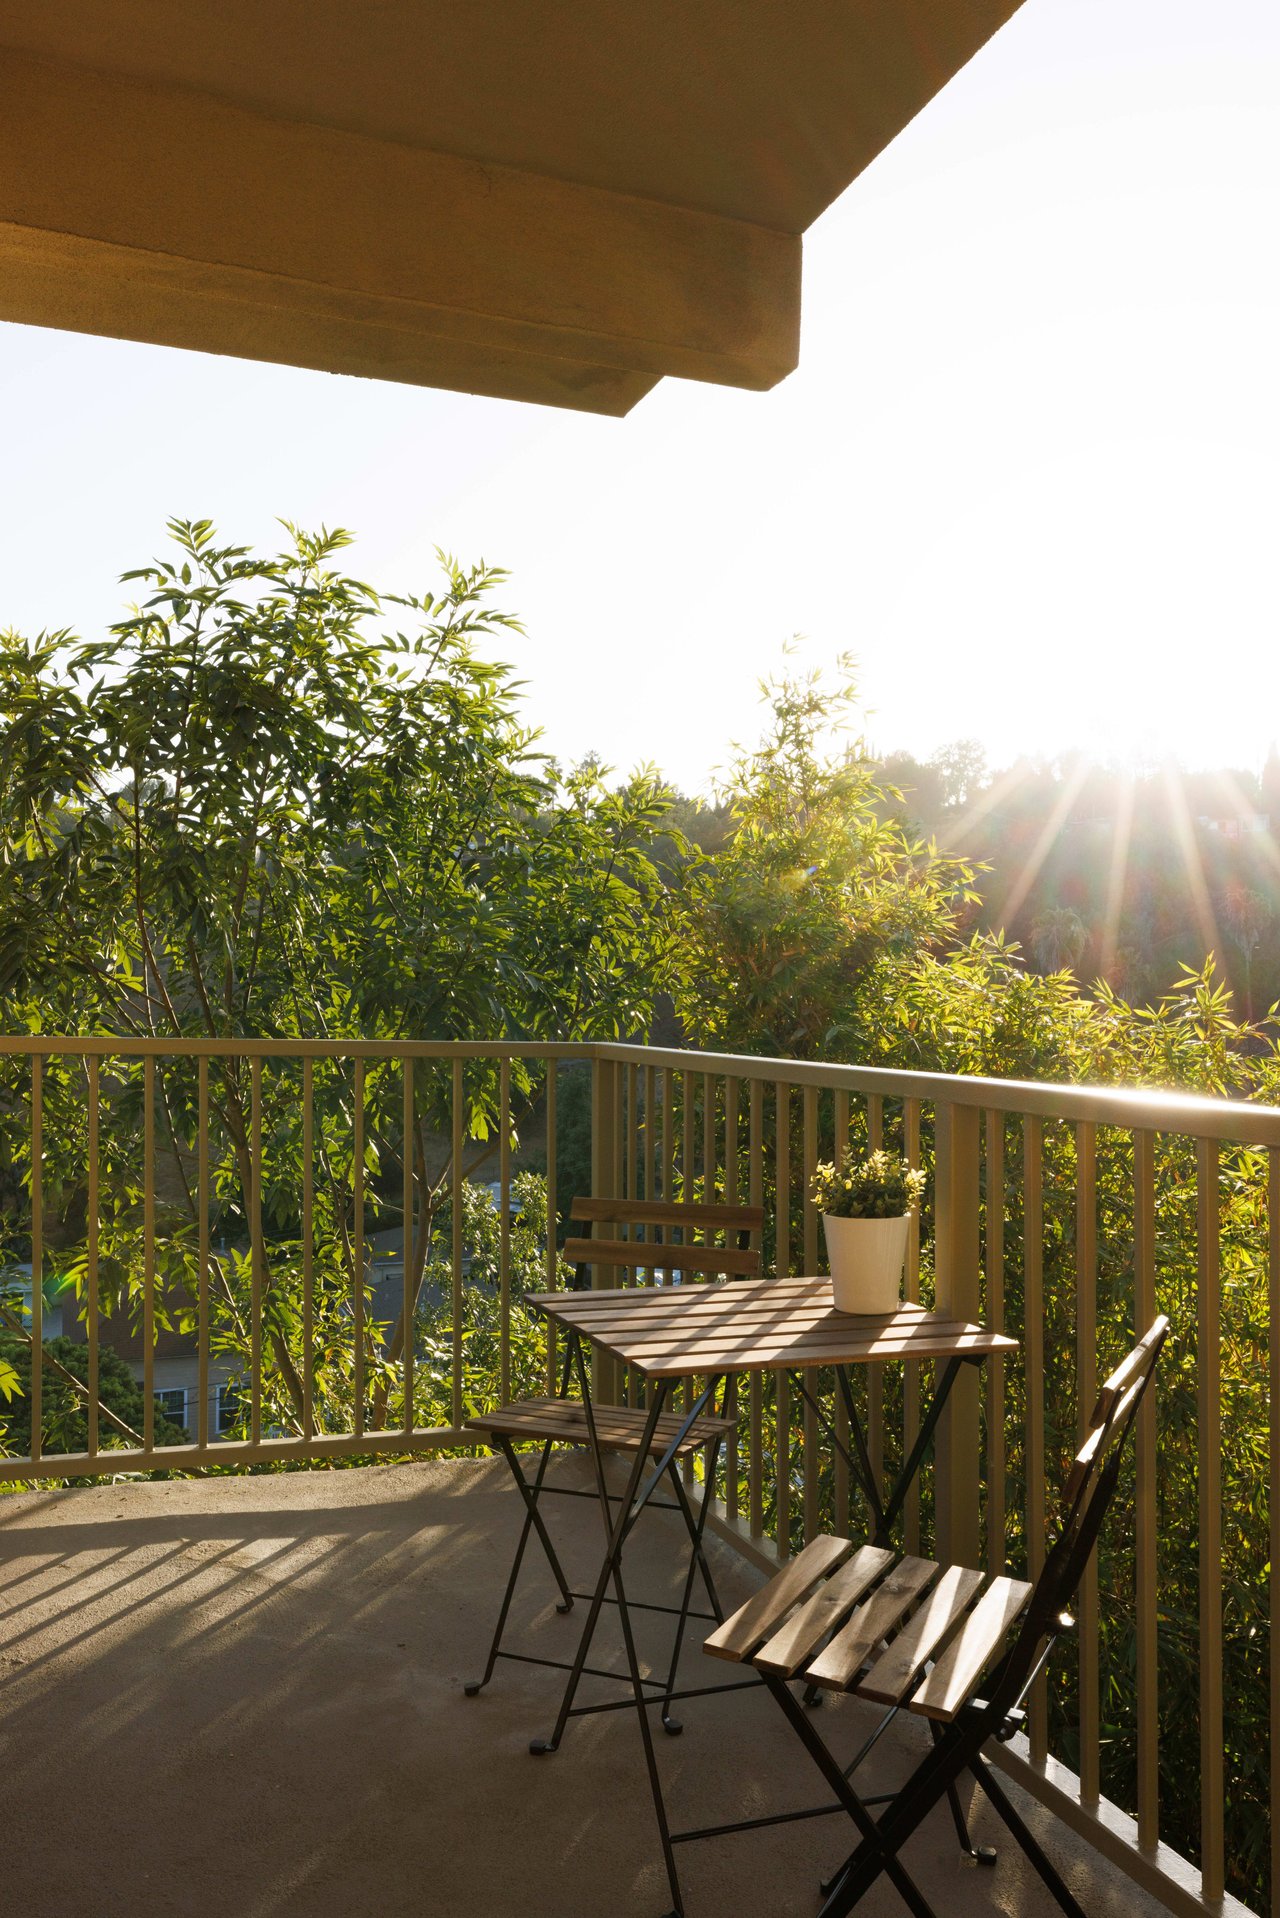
[(638, 1217), (1087, 1494), (663, 1258), (688, 1213)]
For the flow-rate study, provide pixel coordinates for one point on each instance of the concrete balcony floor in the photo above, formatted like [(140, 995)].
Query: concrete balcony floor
[(244, 1696)]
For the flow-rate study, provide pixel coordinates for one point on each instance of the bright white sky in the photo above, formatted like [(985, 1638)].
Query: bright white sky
[(1028, 471)]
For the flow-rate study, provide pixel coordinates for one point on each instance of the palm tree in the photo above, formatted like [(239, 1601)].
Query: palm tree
[(1058, 939), (1246, 916)]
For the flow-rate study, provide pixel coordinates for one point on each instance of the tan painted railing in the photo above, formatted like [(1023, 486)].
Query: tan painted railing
[(1059, 1213)]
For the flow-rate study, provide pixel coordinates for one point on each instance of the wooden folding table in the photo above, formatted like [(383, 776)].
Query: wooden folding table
[(712, 1332)]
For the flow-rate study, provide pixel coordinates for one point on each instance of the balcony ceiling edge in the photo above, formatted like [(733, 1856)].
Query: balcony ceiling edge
[(180, 220), (563, 206)]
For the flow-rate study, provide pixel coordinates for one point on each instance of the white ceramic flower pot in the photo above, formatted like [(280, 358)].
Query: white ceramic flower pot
[(867, 1257)]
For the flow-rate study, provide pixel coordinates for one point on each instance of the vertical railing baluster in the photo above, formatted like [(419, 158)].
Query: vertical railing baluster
[(732, 1170), (993, 1266), (255, 1251), (308, 1242), (688, 1157), (1146, 1592), (504, 1219), (840, 1156), (708, 1139), (1086, 1392), (628, 1132), (687, 1112), (407, 1189), (553, 1255), (91, 1252), (1209, 1422), (1273, 1594), (651, 1134), (1033, 1350), (911, 1373), (957, 1212), (37, 1258), (875, 1372), (357, 1244), (604, 1160), (731, 1198), (668, 1134), (755, 1410), (782, 1385), (709, 1156), (615, 1370), (149, 1254), (202, 1250), (637, 1084), (809, 1256), (629, 1381), (455, 1247)]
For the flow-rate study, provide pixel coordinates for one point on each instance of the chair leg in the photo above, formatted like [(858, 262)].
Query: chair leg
[(697, 1561), (529, 1493), (950, 1755), (532, 1519), (878, 1857), (697, 1528), (616, 1530), (975, 1854), (1026, 1838)]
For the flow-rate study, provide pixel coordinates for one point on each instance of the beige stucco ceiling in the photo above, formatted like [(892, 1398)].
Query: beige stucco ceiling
[(554, 201)]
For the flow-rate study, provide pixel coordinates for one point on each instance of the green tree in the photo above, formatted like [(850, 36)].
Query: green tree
[(64, 1415), (253, 810), (817, 891)]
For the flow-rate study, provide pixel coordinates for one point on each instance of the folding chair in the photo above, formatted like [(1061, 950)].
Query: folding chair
[(549, 1422), (908, 1635)]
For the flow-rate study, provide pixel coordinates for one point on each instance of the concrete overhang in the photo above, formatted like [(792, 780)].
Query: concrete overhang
[(557, 202)]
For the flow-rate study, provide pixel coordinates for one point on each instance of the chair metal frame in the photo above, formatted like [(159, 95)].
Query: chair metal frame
[(957, 1746), (632, 1214)]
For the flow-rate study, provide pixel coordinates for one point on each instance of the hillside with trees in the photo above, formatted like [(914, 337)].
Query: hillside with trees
[(1125, 877)]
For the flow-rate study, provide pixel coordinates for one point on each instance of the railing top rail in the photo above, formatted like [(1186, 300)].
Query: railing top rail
[(1135, 1108), (137, 1046)]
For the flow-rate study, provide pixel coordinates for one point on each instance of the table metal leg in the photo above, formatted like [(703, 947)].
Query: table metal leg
[(695, 1527), (886, 1511)]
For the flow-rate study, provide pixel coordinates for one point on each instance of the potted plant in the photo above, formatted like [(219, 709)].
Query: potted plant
[(866, 1215)]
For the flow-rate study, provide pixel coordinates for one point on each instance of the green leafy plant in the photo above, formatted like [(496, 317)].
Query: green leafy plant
[(882, 1186)]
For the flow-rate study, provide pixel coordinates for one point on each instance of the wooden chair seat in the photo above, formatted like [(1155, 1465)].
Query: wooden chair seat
[(619, 1428), (868, 1621)]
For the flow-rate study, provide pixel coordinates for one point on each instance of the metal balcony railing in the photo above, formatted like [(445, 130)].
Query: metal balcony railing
[(221, 1196)]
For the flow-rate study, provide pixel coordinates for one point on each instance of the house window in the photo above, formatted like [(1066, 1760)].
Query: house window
[(172, 1404), (230, 1407)]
